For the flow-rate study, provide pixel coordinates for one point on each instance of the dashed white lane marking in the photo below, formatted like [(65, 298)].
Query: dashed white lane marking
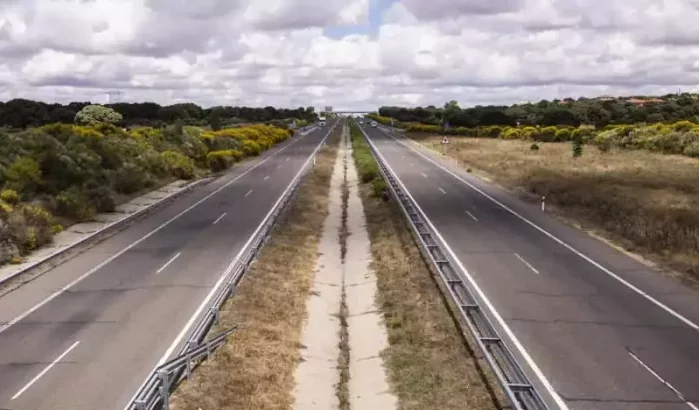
[(657, 376), (46, 369), (471, 215), (249, 192), (443, 191), (162, 268), (424, 175), (489, 305), (529, 265), (553, 237), (219, 218), (266, 178), (279, 166)]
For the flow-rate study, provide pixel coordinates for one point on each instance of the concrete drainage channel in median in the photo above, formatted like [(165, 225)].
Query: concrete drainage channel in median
[(342, 368)]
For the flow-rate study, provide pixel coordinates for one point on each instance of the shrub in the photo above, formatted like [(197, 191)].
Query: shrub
[(100, 196), (221, 160), (492, 132), (692, 150), (74, 204), (179, 165), (250, 147), (378, 186), (24, 175), (129, 178), (547, 134), (10, 196), (56, 228), (36, 215), (563, 135), (511, 133), (530, 133), (534, 147)]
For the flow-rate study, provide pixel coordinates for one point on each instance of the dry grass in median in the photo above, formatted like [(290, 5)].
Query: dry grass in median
[(646, 202), (429, 364), (255, 368)]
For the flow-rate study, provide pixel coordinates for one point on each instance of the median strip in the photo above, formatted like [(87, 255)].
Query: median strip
[(430, 362)]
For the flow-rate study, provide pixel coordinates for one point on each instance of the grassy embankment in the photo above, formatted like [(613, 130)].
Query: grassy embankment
[(56, 175), (255, 368), (429, 361), (645, 202)]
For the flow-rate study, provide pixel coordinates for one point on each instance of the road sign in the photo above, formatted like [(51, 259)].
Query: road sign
[(445, 140)]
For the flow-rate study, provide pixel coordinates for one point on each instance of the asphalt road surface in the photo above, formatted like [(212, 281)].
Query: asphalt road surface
[(603, 330), (92, 345)]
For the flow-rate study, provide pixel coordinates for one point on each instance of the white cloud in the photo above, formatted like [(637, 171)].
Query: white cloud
[(274, 52)]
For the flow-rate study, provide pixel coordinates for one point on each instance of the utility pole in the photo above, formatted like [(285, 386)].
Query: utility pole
[(114, 97)]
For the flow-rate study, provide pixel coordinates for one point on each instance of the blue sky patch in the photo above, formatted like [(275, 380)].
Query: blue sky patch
[(377, 8)]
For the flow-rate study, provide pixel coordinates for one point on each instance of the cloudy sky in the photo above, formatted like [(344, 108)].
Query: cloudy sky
[(350, 54)]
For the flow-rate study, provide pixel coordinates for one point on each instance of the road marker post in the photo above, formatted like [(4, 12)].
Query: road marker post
[(445, 142), (543, 203)]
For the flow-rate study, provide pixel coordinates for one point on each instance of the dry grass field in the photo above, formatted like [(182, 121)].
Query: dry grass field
[(646, 202)]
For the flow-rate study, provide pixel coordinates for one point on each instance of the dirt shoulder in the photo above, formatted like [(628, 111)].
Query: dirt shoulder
[(643, 202), (429, 361), (255, 368)]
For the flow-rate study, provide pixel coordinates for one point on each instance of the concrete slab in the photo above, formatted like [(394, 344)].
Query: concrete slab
[(368, 383), (317, 375)]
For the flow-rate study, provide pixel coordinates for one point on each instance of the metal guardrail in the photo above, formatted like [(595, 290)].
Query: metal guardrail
[(519, 390), (155, 392)]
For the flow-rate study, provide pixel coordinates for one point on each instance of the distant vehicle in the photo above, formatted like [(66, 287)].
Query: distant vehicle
[(373, 124), (322, 123), (361, 122)]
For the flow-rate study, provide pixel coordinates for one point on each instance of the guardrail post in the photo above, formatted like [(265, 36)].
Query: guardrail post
[(188, 368), (164, 388)]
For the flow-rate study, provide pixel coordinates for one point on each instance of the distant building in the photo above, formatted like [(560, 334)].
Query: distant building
[(645, 101)]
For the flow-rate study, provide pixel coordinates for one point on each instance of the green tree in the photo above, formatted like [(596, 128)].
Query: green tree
[(577, 145), (215, 121), (95, 114)]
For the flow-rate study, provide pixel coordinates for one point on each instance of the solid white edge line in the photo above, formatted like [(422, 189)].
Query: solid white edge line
[(657, 376), (225, 274), (471, 215), (529, 265), (248, 193), (219, 218), (43, 372), (494, 313), (162, 268), (143, 238), (556, 239)]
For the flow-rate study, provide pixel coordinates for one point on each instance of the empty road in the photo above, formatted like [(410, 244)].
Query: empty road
[(596, 329), (86, 334)]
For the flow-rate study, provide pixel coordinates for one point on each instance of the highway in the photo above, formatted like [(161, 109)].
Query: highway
[(85, 335), (592, 327)]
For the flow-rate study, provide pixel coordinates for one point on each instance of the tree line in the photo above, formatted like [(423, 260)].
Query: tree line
[(599, 112), (23, 113)]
